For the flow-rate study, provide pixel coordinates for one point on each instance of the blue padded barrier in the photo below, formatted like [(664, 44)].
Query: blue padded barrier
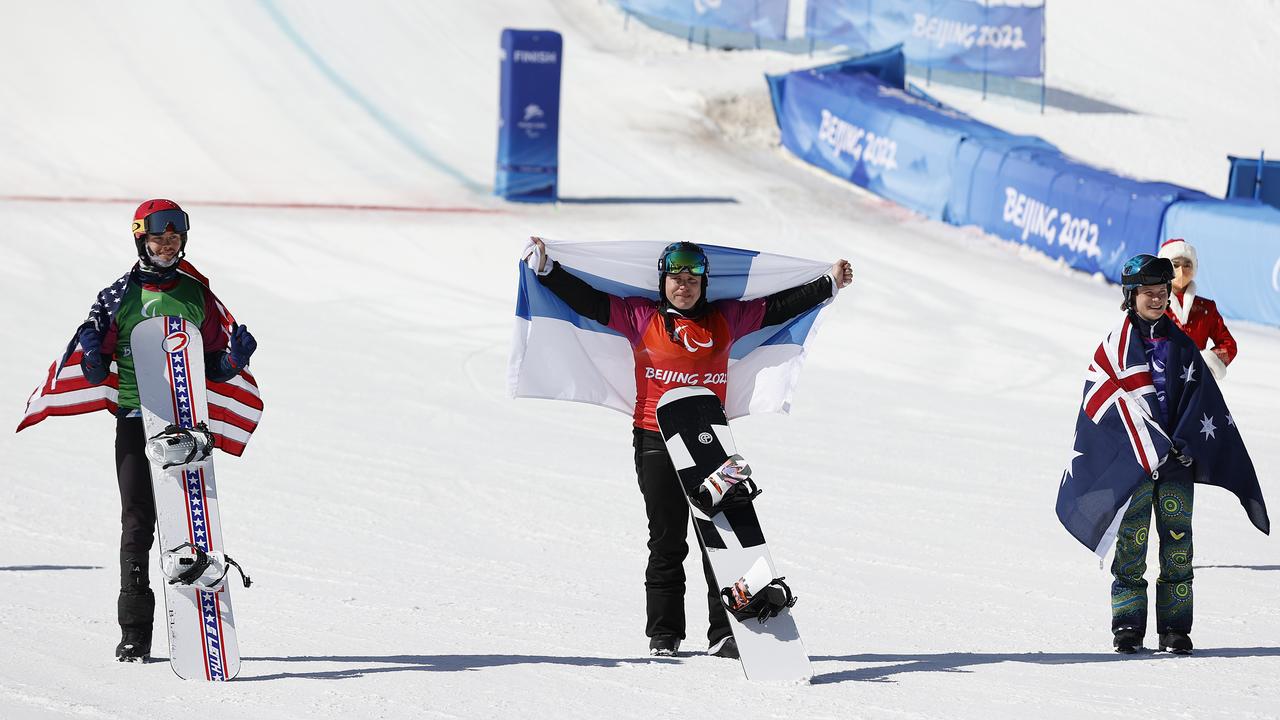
[(857, 121), (1238, 245)]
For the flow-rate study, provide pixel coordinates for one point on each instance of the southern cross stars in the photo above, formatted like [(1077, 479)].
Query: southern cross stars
[(1189, 374), (1207, 427), (1071, 462)]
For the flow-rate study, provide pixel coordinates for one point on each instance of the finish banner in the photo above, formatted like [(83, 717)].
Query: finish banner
[(529, 116), (765, 18), (957, 35)]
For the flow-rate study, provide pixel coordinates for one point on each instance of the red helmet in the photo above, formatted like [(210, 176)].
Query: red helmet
[(154, 217)]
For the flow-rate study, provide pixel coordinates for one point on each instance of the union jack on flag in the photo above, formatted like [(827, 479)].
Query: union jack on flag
[(1119, 378), (235, 406)]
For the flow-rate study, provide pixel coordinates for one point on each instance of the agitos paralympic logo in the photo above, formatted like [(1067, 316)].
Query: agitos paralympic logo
[(692, 344)]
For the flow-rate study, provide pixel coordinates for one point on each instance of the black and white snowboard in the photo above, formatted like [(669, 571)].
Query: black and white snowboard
[(169, 357), (721, 497)]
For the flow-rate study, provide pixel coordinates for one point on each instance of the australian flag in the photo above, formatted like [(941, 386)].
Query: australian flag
[(1119, 441)]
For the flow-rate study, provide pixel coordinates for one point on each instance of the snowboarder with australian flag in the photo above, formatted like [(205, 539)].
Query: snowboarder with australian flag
[(1151, 425), (97, 373)]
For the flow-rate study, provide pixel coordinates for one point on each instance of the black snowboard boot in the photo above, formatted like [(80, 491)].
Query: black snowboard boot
[(1127, 640), (135, 609), (664, 645), (1176, 643), (135, 645), (725, 647)]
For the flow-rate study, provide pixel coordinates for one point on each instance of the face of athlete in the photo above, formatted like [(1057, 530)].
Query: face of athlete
[(165, 247), (1183, 273), (683, 289), (1150, 301)]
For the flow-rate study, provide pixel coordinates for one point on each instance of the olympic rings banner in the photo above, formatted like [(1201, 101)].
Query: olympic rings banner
[(764, 18), (957, 35)]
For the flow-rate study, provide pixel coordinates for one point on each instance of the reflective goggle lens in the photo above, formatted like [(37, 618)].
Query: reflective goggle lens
[(685, 261), (157, 222)]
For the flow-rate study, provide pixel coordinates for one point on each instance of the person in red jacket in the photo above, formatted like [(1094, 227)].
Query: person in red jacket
[(681, 339), (1197, 316)]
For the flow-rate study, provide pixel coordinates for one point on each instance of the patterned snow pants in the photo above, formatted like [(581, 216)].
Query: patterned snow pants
[(1172, 491)]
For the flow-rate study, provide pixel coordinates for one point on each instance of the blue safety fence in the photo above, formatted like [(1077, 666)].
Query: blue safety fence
[(859, 120), (1255, 178), (1091, 218), (1238, 248), (718, 23), (959, 35)]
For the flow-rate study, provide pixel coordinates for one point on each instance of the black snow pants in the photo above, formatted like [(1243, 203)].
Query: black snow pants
[(136, 604), (668, 512)]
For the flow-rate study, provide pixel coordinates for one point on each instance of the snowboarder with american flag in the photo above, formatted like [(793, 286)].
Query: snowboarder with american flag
[(1152, 424), (97, 373)]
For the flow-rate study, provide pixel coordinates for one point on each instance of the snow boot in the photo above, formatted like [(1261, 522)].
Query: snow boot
[(1127, 640), (135, 609), (135, 645), (1176, 643), (664, 645), (725, 647)]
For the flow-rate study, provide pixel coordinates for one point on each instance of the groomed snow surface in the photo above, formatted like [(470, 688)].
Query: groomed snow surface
[(423, 546)]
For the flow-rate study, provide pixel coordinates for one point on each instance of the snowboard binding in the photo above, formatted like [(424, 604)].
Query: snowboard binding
[(180, 446), (729, 486), (757, 595), (191, 566)]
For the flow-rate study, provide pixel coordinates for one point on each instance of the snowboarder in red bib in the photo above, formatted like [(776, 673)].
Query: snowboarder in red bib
[(679, 340), (1197, 316), (161, 283)]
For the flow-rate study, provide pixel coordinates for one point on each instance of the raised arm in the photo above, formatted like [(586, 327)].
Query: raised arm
[(786, 304), (581, 297)]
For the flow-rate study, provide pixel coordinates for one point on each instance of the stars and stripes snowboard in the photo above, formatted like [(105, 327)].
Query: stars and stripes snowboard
[(701, 447), (169, 357)]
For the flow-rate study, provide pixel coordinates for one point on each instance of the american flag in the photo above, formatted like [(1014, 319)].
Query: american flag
[(235, 406), (1119, 443)]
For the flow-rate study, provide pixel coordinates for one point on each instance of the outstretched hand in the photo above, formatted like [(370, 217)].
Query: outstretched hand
[(242, 345), (842, 273), (536, 256)]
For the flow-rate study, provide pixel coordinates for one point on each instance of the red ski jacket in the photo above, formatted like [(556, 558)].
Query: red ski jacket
[(1198, 317)]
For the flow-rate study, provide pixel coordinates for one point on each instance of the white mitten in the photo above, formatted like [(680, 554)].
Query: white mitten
[(1216, 366)]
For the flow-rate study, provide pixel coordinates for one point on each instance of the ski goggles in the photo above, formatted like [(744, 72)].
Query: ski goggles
[(157, 222), (679, 261)]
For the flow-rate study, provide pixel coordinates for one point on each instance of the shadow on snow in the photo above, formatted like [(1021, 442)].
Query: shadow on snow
[(31, 568), (1237, 567), (372, 664), (650, 200), (889, 665)]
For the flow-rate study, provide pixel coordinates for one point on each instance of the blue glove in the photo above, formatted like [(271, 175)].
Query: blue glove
[(242, 346), (92, 363)]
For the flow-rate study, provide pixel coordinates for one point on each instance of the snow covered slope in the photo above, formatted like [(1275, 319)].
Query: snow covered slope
[(423, 546)]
